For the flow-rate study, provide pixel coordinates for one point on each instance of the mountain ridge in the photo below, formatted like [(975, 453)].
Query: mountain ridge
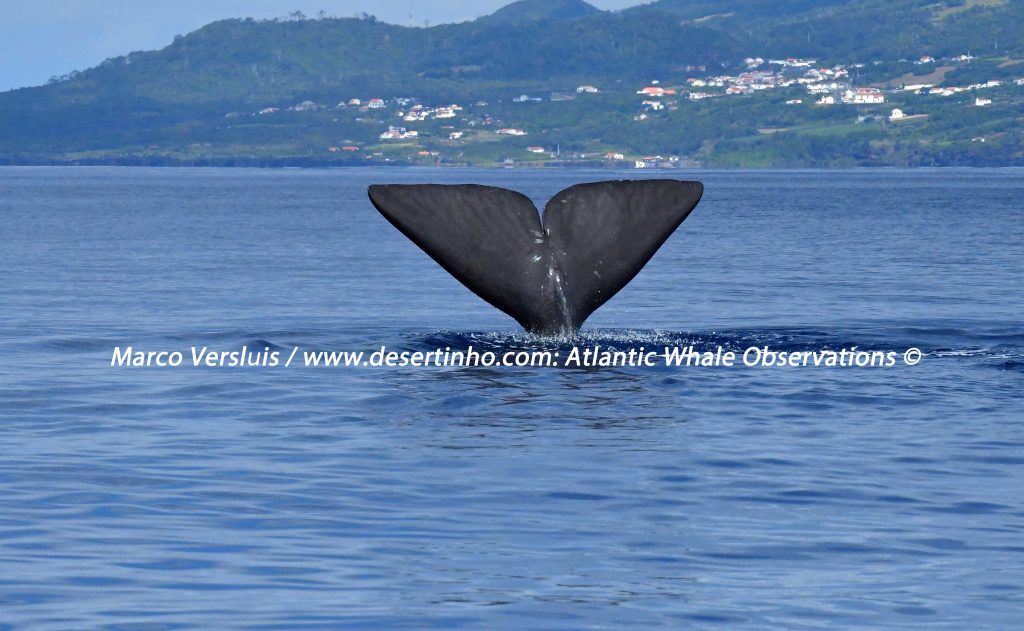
[(527, 11)]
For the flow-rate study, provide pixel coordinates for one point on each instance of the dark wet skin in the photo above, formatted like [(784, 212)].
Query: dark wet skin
[(549, 274)]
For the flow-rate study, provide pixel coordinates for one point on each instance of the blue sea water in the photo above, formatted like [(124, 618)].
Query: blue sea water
[(541, 498)]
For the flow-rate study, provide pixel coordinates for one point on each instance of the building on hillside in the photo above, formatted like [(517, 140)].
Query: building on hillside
[(398, 133), (656, 90), (863, 96)]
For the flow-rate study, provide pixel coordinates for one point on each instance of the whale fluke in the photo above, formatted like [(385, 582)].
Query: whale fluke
[(549, 275)]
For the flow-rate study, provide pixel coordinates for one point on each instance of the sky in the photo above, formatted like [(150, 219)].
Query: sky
[(43, 38)]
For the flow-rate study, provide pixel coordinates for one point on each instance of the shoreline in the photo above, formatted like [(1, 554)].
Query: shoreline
[(483, 167)]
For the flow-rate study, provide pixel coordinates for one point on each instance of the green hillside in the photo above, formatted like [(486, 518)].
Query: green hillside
[(527, 11), (278, 92), (864, 29)]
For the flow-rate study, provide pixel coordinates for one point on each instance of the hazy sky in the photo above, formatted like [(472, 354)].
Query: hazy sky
[(42, 38)]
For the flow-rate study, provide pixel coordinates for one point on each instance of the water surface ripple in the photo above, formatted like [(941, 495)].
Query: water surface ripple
[(731, 498)]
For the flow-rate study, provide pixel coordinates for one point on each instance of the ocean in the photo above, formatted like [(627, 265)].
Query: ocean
[(554, 497)]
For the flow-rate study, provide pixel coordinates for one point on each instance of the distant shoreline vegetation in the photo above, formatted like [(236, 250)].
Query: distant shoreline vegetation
[(555, 84), (563, 166)]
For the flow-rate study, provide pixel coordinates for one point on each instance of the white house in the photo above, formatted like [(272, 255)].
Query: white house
[(398, 133), (864, 96)]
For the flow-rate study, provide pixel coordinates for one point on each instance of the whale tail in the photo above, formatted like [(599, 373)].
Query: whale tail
[(549, 274)]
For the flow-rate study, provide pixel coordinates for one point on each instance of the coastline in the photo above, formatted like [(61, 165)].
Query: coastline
[(326, 164)]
